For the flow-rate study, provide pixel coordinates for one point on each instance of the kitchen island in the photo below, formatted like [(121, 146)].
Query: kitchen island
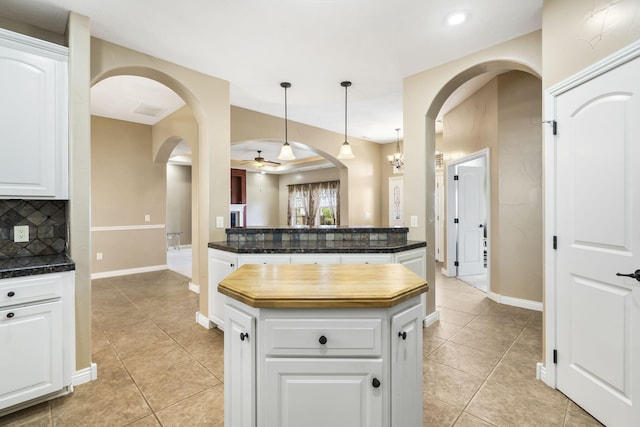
[(330, 245), (319, 345)]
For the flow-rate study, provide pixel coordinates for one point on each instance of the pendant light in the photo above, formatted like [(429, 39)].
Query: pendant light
[(286, 153), (345, 150), (396, 159)]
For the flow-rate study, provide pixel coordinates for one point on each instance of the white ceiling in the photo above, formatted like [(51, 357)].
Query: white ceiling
[(314, 44)]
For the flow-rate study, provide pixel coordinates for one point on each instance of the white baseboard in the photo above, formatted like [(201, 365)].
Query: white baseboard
[(85, 375), (431, 319), (444, 272), (516, 302), (203, 321), (541, 372), (115, 273), (194, 288)]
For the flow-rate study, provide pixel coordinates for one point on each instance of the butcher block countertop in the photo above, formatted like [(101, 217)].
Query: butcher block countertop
[(322, 286)]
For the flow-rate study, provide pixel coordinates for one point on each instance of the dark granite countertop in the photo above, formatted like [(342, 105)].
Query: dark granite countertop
[(316, 230), (27, 266), (316, 247)]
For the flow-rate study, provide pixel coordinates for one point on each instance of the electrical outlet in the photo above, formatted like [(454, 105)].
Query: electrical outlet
[(21, 233), (414, 221), (147, 218), (219, 222), (99, 256)]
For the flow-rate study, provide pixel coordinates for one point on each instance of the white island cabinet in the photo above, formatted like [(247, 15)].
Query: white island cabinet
[(323, 345), (37, 339), (33, 118), (223, 263)]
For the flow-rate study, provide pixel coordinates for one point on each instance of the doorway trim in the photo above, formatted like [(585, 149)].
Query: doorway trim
[(452, 237), (547, 371)]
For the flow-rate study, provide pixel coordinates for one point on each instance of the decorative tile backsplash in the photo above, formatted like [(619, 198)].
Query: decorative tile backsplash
[(47, 227)]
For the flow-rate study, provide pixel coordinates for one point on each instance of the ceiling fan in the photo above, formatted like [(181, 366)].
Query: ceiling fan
[(260, 161)]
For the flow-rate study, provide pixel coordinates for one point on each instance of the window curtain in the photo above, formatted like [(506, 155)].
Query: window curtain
[(311, 197), (291, 209)]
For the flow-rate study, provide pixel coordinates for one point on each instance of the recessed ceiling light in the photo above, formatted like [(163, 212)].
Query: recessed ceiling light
[(456, 18)]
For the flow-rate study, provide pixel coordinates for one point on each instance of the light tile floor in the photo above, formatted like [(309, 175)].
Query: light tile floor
[(156, 366)]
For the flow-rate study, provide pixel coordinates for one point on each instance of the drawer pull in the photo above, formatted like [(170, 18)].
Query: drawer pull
[(243, 335), (375, 383), (10, 315), (403, 335), (11, 294), (323, 340)]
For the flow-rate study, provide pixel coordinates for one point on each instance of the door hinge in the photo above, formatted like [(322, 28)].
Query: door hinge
[(455, 220), (555, 356), (456, 177), (555, 242), (455, 264)]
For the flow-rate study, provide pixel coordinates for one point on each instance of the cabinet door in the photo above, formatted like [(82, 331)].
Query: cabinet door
[(33, 122), (239, 369), (221, 264), (323, 392), (31, 352), (367, 259), (406, 368)]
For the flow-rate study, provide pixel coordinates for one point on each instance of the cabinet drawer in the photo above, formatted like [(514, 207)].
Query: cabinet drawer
[(323, 337), (21, 290)]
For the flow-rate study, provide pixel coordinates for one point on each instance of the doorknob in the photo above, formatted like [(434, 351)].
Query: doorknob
[(635, 275)]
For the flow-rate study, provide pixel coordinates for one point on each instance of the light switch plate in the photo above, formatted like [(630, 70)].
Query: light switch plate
[(219, 222), (414, 221), (21, 233)]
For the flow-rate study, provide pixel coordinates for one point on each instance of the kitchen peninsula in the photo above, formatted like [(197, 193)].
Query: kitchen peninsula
[(320, 345), (324, 245)]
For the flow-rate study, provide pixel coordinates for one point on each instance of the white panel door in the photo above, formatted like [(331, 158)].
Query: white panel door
[(31, 352), (324, 392), (598, 231), (239, 368), (406, 367), (471, 219)]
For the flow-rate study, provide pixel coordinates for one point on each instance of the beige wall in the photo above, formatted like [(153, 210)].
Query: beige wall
[(504, 116), (126, 185), (571, 41), (360, 204), (423, 96), (319, 175), (262, 199), (179, 201), (79, 220), (208, 99)]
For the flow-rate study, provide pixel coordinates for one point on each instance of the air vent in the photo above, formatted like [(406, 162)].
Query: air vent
[(149, 110)]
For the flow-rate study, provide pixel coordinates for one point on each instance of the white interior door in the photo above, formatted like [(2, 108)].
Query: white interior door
[(598, 232), (439, 255), (471, 220)]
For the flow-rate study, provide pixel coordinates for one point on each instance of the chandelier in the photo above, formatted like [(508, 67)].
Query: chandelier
[(396, 159)]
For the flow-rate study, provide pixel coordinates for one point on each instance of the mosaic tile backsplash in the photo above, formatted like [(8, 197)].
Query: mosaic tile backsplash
[(47, 227)]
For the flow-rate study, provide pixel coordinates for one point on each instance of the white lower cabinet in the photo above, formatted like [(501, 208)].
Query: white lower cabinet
[(31, 356), (221, 264), (367, 259), (323, 367), (37, 340)]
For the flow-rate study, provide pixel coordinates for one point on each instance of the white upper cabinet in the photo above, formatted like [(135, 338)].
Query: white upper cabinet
[(33, 118)]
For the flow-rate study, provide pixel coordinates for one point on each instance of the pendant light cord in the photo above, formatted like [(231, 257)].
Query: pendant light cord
[(286, 124), (345, 85)]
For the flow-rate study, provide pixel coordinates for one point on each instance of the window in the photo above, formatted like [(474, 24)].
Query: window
[(314, 204)]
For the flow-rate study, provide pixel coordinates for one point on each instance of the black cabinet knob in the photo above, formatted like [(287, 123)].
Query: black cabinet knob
[(375, 383), (402, 335), (10, 294), (243, 335), (323, 340), (10, 315)]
